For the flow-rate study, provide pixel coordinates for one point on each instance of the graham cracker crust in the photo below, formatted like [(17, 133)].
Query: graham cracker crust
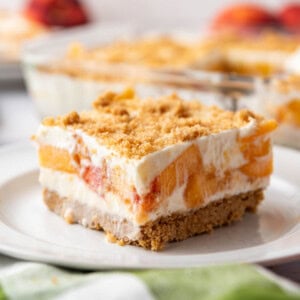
[(156, 234)]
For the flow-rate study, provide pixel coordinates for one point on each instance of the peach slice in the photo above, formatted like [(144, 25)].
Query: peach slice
[(187, 163), (193, 192), (94, 177), (264, 127), (256, 149), (174, 175), (199, 187), (258, 168), (56, 159)]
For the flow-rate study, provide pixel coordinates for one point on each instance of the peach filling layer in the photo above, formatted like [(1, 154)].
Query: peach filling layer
[(186, 172), (256, 148), (259, 68)]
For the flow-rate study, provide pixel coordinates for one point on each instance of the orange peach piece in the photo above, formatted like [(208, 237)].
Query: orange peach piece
[(56, 159), (174, 175), (256, 148), (199, 187), (264, 127), (193, 193), (258, 168)]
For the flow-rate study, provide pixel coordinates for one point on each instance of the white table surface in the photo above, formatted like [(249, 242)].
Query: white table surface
[(19, 120)]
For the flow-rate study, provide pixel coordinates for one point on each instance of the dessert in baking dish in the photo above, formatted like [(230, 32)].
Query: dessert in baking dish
[(280, 99), (264, 54), (151, 171), (151, 65), (157, 51), (261, 54)]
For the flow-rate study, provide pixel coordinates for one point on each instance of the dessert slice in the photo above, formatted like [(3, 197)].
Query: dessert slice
[(148, 172)]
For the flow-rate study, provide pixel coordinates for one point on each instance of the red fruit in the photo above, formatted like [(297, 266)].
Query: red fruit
[(93, 177), (242, 16), (289, 17), (64, 13)]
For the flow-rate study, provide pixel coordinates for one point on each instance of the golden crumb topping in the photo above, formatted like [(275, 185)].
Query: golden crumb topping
[(268, 41), (134, 127), (162, 51)]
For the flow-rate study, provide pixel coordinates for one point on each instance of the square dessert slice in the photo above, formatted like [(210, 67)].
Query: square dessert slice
[(151, 171)]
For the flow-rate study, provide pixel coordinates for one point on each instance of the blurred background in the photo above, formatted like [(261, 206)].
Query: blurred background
[(166, 14), (270, 29)]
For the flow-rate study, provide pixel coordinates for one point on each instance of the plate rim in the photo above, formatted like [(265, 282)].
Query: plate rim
[(10, 248)]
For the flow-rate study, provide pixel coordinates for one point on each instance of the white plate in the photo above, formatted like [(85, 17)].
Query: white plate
[(29, 231)]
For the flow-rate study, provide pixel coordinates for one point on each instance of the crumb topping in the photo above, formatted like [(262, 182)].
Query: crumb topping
[(162, 51), (134, 127), (166, 52), (268, 41)]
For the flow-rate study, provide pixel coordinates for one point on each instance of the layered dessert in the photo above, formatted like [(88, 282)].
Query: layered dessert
[(264, 54), (151, 171), (280, 99)]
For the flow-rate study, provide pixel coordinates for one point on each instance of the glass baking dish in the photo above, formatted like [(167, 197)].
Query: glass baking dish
[(277, 97), (57, 92)]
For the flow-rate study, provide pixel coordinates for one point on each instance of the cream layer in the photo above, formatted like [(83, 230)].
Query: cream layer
[(248, 56), (73, 187)]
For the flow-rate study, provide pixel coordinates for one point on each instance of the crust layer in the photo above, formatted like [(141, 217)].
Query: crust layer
[(156, 234)]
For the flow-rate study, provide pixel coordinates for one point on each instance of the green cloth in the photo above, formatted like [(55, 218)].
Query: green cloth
[(38, 281)]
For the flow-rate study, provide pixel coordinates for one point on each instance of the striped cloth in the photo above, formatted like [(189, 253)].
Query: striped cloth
[(39, 281)]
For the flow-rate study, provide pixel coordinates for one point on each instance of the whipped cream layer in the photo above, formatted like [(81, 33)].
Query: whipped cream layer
[(72, 187), (274, 58)]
